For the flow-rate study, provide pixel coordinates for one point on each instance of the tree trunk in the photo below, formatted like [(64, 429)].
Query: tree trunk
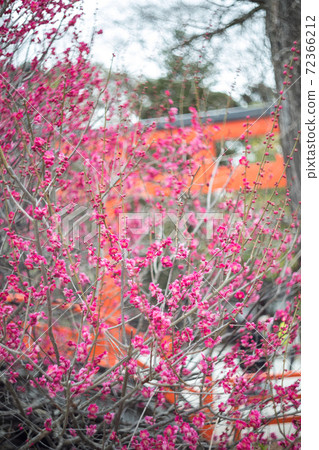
[(283, 27)]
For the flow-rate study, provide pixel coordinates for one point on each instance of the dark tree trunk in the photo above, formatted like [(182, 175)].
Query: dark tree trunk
[(283, 27)]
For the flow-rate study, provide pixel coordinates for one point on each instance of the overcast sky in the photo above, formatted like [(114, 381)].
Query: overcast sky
[(236, 63), (102, 14)]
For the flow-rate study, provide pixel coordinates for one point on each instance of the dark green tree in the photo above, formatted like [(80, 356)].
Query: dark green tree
[(188, 85)]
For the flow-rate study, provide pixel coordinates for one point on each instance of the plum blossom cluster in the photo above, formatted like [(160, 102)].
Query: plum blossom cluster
[(134, 342)]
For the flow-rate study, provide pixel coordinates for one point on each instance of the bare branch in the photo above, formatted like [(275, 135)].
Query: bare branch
[(209, 35)]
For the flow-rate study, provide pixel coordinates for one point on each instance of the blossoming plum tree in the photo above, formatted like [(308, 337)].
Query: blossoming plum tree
[(125, 335)]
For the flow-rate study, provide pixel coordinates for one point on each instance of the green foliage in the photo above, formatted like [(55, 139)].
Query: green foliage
[(187, 82)]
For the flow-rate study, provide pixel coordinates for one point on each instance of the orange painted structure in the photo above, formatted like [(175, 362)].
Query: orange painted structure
[(221, 126)]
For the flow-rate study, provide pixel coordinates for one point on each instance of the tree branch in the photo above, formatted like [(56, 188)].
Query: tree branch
[(208, 35)]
